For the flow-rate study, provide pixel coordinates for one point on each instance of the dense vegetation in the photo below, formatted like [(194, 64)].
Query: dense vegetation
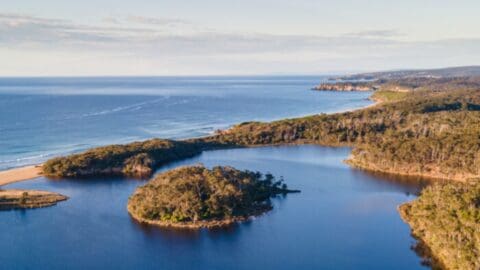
[(447, 219), (134, 159), (197, 196), (432, 84)]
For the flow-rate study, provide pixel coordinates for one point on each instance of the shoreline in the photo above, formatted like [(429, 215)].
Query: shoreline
[(425, 251), (19, 174), (207, 224), (353, 163), (28, 199), (30, 172)]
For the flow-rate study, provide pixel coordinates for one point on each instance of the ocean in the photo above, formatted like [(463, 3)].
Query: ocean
[(45, 117)]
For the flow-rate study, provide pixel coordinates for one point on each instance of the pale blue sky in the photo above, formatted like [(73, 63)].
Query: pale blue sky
[(147, 37)]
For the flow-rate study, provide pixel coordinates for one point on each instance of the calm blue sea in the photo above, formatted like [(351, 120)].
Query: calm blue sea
[(45, 117)]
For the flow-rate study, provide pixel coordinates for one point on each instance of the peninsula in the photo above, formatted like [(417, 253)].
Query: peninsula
[(446, 218), (195, 197), (20, 174), (346, 86)]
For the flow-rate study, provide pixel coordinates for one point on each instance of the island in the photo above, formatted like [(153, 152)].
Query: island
[(195, 197), (27, 199)]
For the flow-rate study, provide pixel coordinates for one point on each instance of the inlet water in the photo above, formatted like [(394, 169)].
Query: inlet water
[(342, 219)]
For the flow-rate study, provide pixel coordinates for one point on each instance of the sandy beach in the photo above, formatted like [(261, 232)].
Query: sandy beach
[(20, 174)]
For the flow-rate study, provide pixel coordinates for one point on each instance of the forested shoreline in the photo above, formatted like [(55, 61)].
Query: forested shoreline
[(432, 131), (447, 220)]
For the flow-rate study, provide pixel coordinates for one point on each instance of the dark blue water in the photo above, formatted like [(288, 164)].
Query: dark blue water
[(342, 219), (45, 117)]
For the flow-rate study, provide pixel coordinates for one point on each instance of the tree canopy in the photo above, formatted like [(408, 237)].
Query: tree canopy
[(195, 193)]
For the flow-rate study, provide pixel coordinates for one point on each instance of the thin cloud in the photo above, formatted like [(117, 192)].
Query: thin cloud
[(388, 33), (21, 30), (156, 21), (15, 19), (164, 46), (18, 29)]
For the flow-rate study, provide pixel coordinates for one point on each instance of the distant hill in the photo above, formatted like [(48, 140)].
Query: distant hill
[(415, 73)]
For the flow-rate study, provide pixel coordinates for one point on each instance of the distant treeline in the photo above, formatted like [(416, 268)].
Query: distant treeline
[(465, 71)]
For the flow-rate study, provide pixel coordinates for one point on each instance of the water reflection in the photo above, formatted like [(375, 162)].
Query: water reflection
[(410, 185), (425, 253), (166, 232)]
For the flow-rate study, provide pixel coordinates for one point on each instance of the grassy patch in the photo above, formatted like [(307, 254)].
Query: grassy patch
[(388, 96)]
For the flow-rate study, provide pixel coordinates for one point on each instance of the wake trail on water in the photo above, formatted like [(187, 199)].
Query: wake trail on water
[(132, 107)]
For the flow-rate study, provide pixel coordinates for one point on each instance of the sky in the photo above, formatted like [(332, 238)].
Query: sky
[(230, 37)]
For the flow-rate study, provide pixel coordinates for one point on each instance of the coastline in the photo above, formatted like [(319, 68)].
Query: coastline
[(422, 248), (34, 171), (208, 224), (20, 174), (28, 199), (11, 199), (352, 162), (31, 172)]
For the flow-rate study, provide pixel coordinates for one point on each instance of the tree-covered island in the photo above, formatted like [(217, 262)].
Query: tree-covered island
[(194, 197)]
